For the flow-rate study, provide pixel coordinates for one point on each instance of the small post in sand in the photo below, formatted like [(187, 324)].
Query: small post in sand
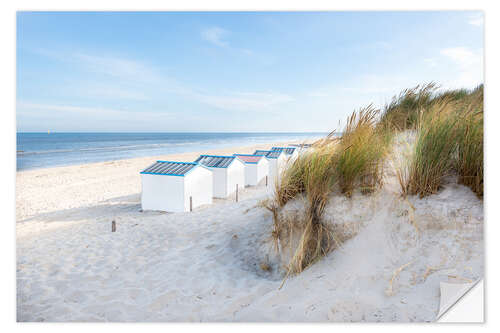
[(190, 204), (236, 192), (113, 226), (266, 180)]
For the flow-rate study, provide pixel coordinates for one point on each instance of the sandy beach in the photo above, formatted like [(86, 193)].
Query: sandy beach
[(207, 265)]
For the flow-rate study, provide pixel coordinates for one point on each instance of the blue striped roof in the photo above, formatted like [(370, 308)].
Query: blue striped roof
[(215, 161), (169, 168), (301, 145), (287, 150), (268, 153)]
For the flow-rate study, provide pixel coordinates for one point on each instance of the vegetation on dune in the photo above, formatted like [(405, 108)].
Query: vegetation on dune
[(313, 176), (353, 161), (449, 141), (435, 148), (317, 238), (403, 111), (362, 150), (470, 158)]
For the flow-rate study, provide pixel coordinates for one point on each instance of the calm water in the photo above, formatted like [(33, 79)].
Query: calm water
[(41, 150)]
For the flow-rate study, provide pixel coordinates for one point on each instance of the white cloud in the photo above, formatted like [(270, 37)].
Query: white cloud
[(117, 67), (246, 101), (33, 116), (117, 76), (27, 107), (57, 110), (477, 20), (109, 91), (318, 93), (376, 84), (215, 35), (121, 78), (461, 56), (469, 66)]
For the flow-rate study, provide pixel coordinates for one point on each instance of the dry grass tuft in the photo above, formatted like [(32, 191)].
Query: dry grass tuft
[(435, 149), (346, 163), (470, 159), (307, 238), (362, 150), (403, 111), (449, 142), (291, 181)]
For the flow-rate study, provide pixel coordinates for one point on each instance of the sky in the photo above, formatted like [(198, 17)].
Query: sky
[(230, 71)]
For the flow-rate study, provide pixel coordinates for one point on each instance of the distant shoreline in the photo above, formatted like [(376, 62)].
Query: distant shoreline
[(188, 156), (41, 150)]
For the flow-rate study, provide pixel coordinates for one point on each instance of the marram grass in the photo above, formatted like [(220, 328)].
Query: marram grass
[(403, 111), (361, 154), (470, 158), (351, 162), (435, 149), (449, 142)]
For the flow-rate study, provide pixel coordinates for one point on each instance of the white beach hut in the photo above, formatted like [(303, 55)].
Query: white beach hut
[(228, 172), (176, 186), (256, 168), (277, 161), (301, 148)]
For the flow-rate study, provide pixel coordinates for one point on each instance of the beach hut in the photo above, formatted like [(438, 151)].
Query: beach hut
[(228, 171), (301, 148), (301, 145), (290, 152), (256, 168), (276, 159), (176, 186)]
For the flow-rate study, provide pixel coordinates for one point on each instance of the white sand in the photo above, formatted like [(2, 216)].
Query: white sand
[(205, 265)]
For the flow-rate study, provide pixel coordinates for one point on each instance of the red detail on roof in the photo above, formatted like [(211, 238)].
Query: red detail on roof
[(250, 159)]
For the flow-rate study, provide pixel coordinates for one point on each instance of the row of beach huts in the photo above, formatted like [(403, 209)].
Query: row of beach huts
[(181, 186)]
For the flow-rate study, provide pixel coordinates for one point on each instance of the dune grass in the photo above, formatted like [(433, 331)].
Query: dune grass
[(353, 161), (435, 149), (403, 111), (470, 158), (313, 176), (316, 239), (449, 141), (362, 150)]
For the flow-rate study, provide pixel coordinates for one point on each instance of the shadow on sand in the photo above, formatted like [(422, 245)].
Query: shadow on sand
[(107, 209)]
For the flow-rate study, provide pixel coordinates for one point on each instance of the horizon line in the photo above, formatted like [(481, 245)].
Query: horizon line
[(157, 132)]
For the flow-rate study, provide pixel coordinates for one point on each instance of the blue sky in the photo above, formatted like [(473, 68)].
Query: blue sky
[(232, 71)]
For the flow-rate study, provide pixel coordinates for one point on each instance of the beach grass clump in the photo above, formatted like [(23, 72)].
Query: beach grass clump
[(470, 157), (291, 180), (449, 142), (443, 135), (361, 152), (307, 236), (435, 149), (353, 161), (403, 111)]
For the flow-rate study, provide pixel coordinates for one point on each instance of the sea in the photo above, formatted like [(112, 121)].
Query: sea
[(43, 150)]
